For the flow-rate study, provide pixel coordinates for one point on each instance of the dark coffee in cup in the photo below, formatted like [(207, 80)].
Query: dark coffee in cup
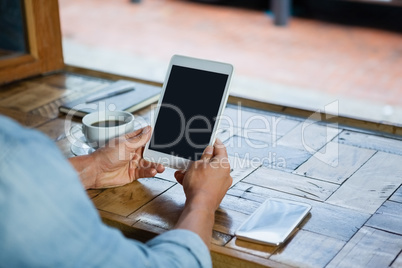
[(108, 123)]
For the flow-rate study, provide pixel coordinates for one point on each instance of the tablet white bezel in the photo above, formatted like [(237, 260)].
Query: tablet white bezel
[(200, 64)]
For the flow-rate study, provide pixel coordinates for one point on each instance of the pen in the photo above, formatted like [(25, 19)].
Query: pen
[(115, 92)]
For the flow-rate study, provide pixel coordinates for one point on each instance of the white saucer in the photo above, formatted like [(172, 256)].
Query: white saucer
[(80, 147)]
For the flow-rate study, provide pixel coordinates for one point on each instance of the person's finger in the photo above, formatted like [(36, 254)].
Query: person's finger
[(208, 153), (147, 164), (146, 169), (138, 138), (220, 155), (138, 133), (146, 172), (220, 149), (160, 168), (133, 133), (179, 175)]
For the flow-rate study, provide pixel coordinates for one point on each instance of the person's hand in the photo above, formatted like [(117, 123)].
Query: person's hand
[(207, 180), (205, 184), (118, 163)]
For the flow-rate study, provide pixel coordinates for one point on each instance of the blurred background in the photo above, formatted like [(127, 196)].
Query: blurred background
[(349, 52)]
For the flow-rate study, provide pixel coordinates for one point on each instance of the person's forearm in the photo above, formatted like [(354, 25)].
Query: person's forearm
[(199, 219), (84, 165)]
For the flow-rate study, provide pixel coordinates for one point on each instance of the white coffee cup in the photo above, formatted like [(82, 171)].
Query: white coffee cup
[(100, 127)]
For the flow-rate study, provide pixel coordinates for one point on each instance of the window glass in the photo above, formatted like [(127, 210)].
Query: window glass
[(12, 25)]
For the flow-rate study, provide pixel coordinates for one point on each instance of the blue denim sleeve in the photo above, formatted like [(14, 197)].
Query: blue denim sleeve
[(47, 220)]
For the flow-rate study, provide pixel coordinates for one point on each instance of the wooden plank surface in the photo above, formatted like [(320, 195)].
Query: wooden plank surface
[(326, 219), (64, 146), (227, 257), (275, 156), (127, 199), (261, 250), (291, 183), (370, 141), (326, 117), (94, 192), (164, 210), (241, 205), (51, 107), (309, 136), (33, 98), (25, 119), (397, 196), (398, 261), (56, 129), (224, 133), (15, 88), (71, 82), (217, 238), (126, 226), (306, 249), (388, 218), (371, 185), (117, 219), (334, 162), (257, 120), (42, 96), (228, 221), (369, 248), (241, 168), (147, 227)]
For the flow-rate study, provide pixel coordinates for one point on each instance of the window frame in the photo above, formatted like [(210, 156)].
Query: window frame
[(43, 35)]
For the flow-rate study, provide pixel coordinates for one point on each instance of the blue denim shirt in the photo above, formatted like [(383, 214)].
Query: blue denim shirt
[(47, 220)]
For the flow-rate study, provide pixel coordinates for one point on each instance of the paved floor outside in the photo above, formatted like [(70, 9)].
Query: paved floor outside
[(310, 63)]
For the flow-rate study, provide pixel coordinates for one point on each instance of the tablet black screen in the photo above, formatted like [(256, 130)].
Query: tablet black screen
[(188, 112)]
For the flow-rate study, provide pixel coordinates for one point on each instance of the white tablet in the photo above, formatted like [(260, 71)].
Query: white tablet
[(192, 100)]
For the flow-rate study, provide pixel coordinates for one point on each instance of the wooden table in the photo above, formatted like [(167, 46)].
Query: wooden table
[(351, 176)]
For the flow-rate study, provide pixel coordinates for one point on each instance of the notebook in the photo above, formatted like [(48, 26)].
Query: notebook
[(121, 95)]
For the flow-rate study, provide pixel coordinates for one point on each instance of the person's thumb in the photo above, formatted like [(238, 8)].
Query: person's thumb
[(138, 138), (207, 154)]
